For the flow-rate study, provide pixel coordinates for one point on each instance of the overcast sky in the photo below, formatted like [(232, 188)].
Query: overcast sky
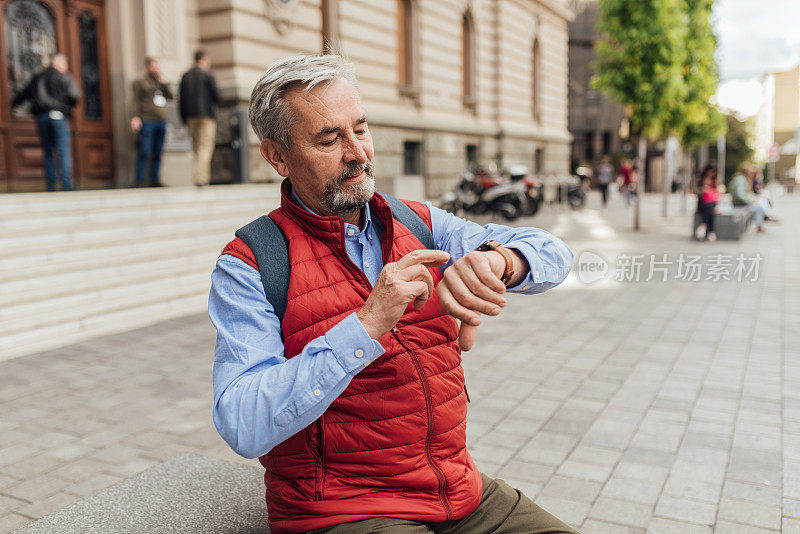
[(755, 36)]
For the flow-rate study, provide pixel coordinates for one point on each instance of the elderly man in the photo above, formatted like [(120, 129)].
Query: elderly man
[(355, 400)]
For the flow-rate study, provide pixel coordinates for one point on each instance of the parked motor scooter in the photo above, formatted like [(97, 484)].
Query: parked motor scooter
[(576, 190), (532, 187), (481, 192)]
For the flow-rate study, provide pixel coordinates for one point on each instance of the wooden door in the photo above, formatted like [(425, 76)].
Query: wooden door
[(31, 30)]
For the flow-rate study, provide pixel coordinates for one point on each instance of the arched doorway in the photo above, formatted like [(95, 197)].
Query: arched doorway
[(31, 30)]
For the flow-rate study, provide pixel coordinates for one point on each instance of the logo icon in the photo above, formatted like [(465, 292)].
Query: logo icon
[(592, 267)]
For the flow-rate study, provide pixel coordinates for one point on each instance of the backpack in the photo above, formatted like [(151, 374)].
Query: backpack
[(271, 249)]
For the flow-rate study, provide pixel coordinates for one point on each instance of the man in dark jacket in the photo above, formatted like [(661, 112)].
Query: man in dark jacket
[(53, 93), (150, 95), (198, 95)]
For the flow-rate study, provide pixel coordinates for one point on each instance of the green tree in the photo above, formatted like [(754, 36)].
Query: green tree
[(695, 119), (737, 145), (640, 60)]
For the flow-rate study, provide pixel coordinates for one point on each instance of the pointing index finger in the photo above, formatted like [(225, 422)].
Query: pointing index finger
[(426, 257)]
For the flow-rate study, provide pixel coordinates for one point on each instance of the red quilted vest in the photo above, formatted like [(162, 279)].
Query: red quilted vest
[(394, 442)]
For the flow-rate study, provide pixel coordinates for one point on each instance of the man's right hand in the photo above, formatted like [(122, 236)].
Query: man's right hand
[(398, 284), (136, 124)]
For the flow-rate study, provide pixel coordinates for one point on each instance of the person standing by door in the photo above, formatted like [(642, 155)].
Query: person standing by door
[(53, 93), (150, 96), (198, 95)]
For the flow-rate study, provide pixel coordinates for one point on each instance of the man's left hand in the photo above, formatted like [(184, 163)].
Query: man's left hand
[(470, 287)]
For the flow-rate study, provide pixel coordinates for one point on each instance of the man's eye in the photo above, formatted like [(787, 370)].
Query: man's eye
[(360, 132), (328, 143)]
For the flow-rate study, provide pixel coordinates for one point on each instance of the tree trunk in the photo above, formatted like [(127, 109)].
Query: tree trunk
[(670, 147), (640, 176)]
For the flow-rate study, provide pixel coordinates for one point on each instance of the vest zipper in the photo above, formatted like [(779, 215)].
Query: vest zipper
[(429, 436), (318, 452)]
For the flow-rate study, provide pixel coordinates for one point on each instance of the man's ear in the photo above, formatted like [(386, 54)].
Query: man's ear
[(275, 154)]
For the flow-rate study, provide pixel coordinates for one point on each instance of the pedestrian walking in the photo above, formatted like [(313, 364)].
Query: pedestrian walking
[(150, 96), (53, 93), (629, 178), (198, 94), (605, 175)]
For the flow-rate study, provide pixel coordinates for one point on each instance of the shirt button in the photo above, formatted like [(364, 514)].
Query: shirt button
[(527, 286), (351, 232), (369, 236), (366, 264), (359, 353), (317, 392), (366, 363)]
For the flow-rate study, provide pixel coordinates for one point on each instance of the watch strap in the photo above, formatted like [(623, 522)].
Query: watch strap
[(508, 272)]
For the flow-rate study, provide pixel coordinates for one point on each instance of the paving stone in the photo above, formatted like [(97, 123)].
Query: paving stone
[(726, 527), (11, 522), (593, 526), (686, 510), (569, 511), (638, 491), (577, 489), (750, 513), (624, 512), (660, 525)]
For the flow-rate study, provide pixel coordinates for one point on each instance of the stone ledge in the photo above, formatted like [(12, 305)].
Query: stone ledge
[(188, 493)]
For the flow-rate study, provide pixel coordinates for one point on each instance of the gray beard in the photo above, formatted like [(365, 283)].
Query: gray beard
[(340, 198)]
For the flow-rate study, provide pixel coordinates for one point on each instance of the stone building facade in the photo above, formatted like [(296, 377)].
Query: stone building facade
[(444, 82)]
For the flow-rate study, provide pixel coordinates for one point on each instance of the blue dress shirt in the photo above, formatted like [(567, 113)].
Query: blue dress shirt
[(262, 398)]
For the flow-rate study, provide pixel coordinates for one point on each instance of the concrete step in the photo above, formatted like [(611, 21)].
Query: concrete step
[(77, 260), (23, 227), (48, 286), (81, 264), (58, 203), (83, 305), (92, 239), (74, 331)]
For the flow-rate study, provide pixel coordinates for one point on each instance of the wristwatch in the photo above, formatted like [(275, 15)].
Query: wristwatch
[(508, 273)]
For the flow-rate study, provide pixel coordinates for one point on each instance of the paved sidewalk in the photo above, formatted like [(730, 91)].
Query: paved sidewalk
[(620, 406)]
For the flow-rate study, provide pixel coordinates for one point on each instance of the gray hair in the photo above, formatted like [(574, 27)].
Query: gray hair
[(270, 114)]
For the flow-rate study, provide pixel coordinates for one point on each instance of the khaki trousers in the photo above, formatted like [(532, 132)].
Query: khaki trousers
[(503, 510), (203, 132)]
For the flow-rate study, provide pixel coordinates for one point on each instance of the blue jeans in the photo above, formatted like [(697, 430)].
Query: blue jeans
[(54, 134), (151, 142)]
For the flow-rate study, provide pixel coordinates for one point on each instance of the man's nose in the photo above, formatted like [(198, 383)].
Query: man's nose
[(354, 150)]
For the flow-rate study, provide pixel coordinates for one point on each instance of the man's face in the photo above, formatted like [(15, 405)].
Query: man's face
[(152, 68), (330, 160)]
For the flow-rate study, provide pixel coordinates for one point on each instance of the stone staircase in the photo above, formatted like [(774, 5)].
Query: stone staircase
[(81, 264)]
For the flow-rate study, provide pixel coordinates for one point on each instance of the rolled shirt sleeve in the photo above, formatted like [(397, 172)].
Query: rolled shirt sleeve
[(550, 260)]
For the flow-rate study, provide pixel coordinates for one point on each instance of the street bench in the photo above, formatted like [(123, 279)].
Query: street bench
[(188, 493), (731, 224)]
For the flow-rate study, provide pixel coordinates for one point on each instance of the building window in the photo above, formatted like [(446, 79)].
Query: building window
[(30, 40), (406, 36), (412, 158), (468, 59), (90, 66), (536, 82), (538, 161), (330, 26), (606, 143), (472, 156)]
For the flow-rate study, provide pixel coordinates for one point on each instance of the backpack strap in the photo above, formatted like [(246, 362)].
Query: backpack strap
[(271, 249), (409, 218)]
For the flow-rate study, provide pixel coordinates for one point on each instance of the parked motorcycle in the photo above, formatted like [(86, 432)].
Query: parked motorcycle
[(533, 189), (481, 192)]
